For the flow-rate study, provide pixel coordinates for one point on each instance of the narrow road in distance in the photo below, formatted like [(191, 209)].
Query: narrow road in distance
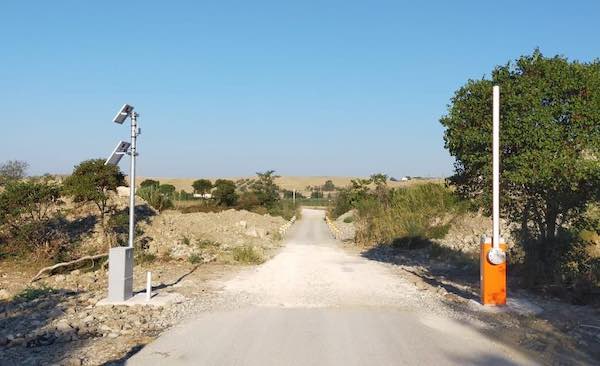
[(316, 304)]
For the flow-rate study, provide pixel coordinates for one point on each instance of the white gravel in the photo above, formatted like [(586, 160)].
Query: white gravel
[(312, 271), (315, 304)]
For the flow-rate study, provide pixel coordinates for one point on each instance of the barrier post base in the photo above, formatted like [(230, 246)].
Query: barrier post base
[(492, 276)]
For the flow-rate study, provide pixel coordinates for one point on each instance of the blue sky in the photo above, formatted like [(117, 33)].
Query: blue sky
[(229, 88)]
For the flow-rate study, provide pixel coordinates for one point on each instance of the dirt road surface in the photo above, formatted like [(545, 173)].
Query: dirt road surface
[(316, 304)]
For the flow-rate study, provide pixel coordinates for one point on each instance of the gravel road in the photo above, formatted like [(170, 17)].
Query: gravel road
[(316, 304)]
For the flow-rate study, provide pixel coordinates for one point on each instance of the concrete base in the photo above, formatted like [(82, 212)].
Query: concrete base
[(160, 299), (513, 305)]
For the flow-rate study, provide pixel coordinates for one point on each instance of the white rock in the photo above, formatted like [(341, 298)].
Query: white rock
[(252, 232), (4, 294), (123, 191)]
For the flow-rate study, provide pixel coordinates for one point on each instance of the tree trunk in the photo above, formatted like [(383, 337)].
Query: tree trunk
[(550, 219)]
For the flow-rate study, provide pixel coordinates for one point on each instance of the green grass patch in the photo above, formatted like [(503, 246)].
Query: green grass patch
[(142, 257), (248, 255), (195, 258)]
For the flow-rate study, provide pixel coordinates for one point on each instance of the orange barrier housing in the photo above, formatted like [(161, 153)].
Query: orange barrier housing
[(492, 276)]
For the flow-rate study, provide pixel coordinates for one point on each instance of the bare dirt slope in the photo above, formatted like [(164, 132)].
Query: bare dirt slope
[(316, 304)]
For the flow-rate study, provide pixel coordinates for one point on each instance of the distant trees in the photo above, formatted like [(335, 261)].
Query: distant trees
[(267, 192), (329, 186), (149, 183), (550, 144), (167, 189), (12, 170), (91, 181), (224, 193), (202, 186)]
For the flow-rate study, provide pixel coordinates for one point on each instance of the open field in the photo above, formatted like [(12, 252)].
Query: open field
[(299, 183)]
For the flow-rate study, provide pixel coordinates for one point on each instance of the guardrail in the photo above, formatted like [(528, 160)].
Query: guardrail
[(286, 226), (333, 228)]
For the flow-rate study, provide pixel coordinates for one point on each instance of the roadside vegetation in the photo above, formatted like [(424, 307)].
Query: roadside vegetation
[(406, 217), (550, 193), (48, 218), (259, 195)]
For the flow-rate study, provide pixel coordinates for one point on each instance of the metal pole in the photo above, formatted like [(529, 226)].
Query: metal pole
[(132, 180), (294, 196), (148, 286), (496, 168)]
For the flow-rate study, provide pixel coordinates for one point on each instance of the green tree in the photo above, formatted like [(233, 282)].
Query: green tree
[(202, 186), (265, 188), (12, 170), (224, 193), (92, 181), (26, 209), (381, 189), (550, 143), (316, 194), (167, 189), (149, 183), (328, 186)]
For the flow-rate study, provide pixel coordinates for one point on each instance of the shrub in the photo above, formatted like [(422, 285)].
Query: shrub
[(155, 198), (167, 189), (143, 257), (283, 208), (149, 183), (183, 196), (248, 201), (194, 258), (412, 216), (247, 255), (201, 206), (224, 193), (349, 220), (28, 211)]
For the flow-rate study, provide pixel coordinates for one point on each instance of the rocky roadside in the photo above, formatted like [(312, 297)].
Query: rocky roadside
[(56, 320), (62, 325)]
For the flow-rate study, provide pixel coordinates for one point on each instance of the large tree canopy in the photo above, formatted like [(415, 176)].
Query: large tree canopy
[(202, 186), (92, 180), (550, 140)]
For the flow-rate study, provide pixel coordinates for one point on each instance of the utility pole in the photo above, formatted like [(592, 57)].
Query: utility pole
[(133, 153), (120, 267)]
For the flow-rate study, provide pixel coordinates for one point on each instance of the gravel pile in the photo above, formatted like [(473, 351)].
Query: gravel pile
[(180, 235), (347, 229)]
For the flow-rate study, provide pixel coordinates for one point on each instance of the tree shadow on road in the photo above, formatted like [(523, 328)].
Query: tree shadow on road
[(457, 277)]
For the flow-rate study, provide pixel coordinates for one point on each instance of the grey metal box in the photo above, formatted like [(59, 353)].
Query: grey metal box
[(120, 273)]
